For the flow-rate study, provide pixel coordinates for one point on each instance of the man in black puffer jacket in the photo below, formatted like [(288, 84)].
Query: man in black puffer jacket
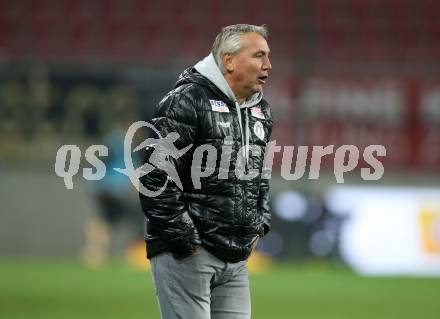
[(205, 222)]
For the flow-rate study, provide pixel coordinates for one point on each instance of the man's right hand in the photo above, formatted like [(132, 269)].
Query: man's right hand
[(197, 251), (194, 251)]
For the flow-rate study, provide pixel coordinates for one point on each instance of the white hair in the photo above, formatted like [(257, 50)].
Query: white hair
[(229, 40)]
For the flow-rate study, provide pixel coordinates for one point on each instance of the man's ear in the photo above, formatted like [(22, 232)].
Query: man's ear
[(227, 62)]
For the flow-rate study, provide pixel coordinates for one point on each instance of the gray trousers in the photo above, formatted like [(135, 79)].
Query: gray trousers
[(201, 287)]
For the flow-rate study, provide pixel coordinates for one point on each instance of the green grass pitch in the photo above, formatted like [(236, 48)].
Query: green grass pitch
[(65, 289)]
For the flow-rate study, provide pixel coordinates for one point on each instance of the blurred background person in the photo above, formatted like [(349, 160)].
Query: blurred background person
[(111, 196)]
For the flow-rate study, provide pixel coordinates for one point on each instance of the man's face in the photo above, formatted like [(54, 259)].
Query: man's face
[(250, 66)]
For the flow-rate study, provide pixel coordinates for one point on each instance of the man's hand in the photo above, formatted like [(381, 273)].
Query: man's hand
[(254, 244), (194, 251), (197, 251)]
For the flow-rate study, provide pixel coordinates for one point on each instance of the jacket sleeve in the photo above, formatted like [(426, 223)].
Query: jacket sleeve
[(167, 212), (263, 204)]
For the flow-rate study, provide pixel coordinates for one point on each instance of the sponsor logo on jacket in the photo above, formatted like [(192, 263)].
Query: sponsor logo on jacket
[(219, 106)]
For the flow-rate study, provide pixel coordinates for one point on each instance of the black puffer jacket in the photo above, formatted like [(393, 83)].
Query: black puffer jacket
[(226, 215)]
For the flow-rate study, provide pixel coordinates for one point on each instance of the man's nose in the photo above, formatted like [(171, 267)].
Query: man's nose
[(267, 65)]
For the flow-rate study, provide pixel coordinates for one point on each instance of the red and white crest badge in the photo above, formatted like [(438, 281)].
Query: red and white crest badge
[(257, 112)]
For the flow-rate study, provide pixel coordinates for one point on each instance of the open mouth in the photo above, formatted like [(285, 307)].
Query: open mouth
[(262, 79)]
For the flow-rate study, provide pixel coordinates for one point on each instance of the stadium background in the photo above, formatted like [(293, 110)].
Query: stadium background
[(354, 72)]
